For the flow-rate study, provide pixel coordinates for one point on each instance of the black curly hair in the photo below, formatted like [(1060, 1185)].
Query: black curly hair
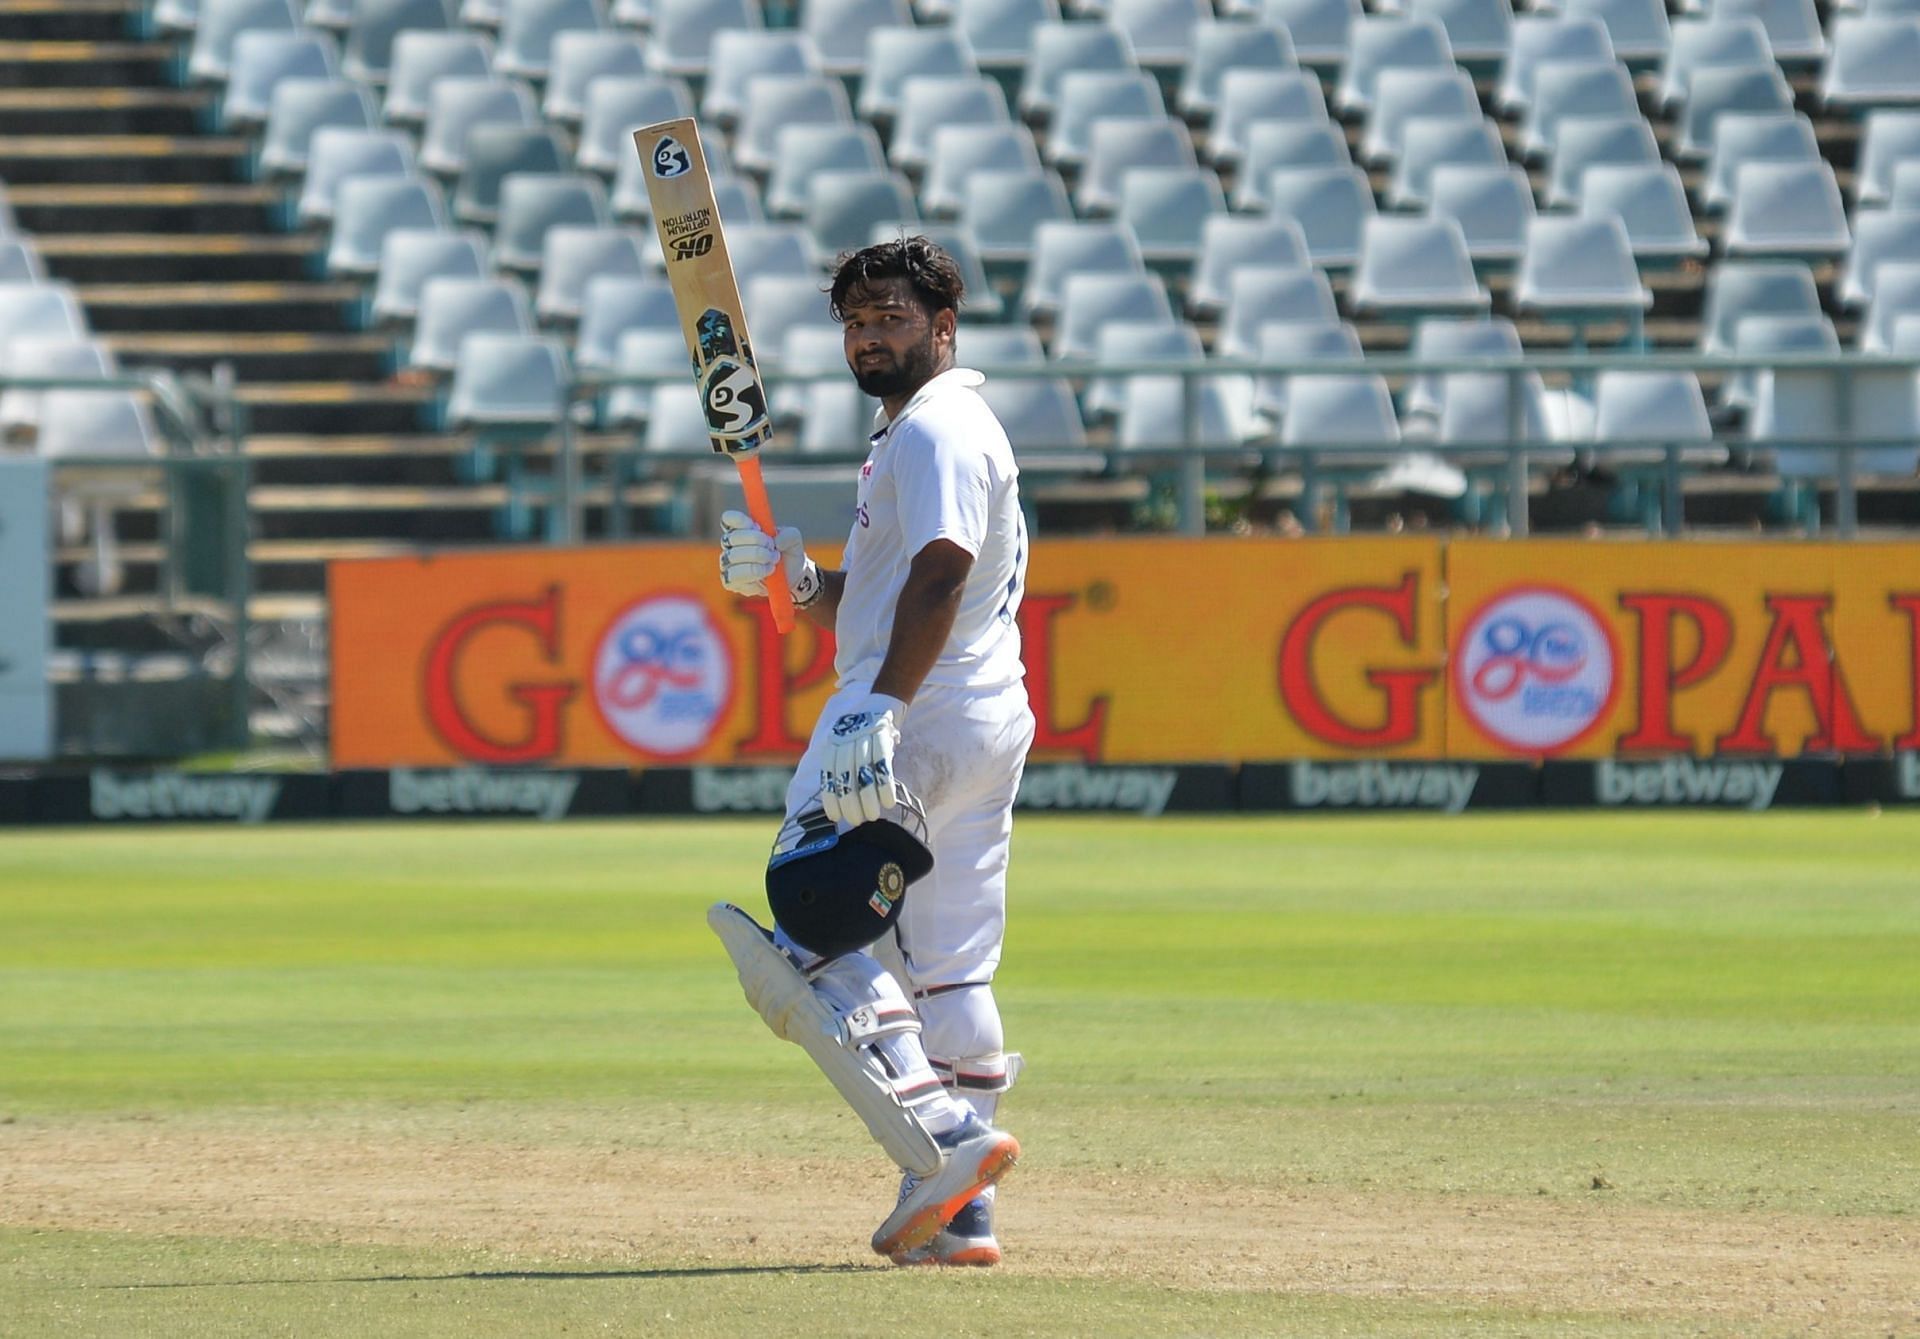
[(929, 271)]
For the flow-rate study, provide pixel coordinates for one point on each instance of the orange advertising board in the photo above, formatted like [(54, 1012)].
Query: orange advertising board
[(1136, 650), (1584, 649), (1164, 650)]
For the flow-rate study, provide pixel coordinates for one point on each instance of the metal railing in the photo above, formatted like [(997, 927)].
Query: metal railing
[(1505, 465)]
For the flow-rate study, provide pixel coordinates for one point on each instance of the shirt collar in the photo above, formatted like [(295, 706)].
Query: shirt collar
[(954, 378)]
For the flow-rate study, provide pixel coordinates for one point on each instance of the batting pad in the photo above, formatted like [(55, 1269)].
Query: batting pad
[(780, 995)]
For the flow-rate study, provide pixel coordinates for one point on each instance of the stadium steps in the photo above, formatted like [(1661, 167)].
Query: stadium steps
[(104, 111), (279, 356), (240, 307), (78, 21), (108, 258), (67, 64), (164, 207), (334, 407), (127, 159)]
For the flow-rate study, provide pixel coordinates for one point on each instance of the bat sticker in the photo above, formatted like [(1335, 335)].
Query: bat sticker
[(670, 159), (735, 404)]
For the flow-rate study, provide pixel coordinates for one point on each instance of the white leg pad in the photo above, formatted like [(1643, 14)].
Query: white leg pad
[(781, 995)]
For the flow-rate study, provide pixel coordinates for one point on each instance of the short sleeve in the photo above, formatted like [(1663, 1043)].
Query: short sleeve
[(945, 491)]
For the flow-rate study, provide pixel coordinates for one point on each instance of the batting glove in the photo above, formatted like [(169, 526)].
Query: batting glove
[(856, 778), (748, 557)]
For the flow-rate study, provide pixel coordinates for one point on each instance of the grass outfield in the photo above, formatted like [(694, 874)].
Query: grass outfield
[(1543, 1074)]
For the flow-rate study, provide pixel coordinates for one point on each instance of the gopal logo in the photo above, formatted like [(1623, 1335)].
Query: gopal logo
[(670, 159), (1534, 668), (663, 676)]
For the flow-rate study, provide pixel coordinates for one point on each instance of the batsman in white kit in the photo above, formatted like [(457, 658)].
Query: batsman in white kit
[(888, 879)]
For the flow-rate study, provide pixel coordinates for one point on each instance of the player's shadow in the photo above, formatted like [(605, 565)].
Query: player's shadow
[(517, 1276)]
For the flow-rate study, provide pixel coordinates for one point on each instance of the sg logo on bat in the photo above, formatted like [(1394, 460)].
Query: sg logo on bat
[(670, 159), (736, 406)]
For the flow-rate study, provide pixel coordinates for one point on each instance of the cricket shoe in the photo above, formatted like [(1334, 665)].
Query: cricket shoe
[(973, 1155), (967, 1240)]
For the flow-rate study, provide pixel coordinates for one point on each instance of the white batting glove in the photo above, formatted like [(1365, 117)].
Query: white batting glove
[(748, 557), (856, 777)]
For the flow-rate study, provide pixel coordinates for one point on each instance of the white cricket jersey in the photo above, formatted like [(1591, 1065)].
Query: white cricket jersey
[(943, 469)]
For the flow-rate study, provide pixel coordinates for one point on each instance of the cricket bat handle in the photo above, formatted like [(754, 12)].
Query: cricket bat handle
[(761, 509)]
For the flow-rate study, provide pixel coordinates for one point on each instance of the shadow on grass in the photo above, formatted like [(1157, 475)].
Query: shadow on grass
[(511, 1276)]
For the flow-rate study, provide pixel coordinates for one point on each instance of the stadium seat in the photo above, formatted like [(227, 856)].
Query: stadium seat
[(778, 304), (459, 103), (483, 14), (19, 262), (1001, 31), (1803, 412), (1338, 409), (1250, 96), (1266, 293), (1905, 195), (1377, 44), (1638, 29), (676, 423), (1744, 137), (1414, 266), (1492, 203), (1428, 143), (1896, 293), (1089, 301), (1787, 209), (1087, 96), (1576, 268), (419, 59), (1792, 26), (681, 39), (1161, 31), (375, 32), (1451, 339), (1122, 342), (612, 305), (929, 102), (842, 205), (1649, 199), (1154, 416), (533, 202), (1230, 241), (1637, 409), (1220, 46), (1330, 204), (1764, 335), (579, 58), (1403, 95), (840, 29), (1490, 409), (1737, 289), (769, 248), (982, 301), (1540, 39), (572, 255), (1887, 137), (1058, 49), (301, 106), (366, 209), (336, 153), (1565, 89), (210, 57), (615, 106), (804, 151), (1479, 31), (451, 309), (833, 414), (1322, 30), (1588, 141), (1064, 247), (1298, 342), (647, 352), (1877, 237), (1699, 43), (895, 55), (960, 151), (1003, 207), (1167, 207), (261, 59), (1717, 89), (50, 359), (331, 16), (509, 381), (496, 151), (999, 346), (1118, 146), (1275, 145), (1038, 413), (741, 57), (411, 256), (1872, 62), (73, 421)]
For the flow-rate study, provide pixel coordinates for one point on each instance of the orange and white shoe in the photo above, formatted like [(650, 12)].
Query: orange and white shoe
[(973, 1157), (967, 1240)]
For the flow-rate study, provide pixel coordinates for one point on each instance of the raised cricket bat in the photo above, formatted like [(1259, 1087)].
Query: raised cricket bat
[(712, 317)]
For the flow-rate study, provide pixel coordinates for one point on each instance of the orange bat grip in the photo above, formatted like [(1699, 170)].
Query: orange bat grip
[(761, 510)]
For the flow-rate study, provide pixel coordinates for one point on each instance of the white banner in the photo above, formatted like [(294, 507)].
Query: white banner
[(26, 577)]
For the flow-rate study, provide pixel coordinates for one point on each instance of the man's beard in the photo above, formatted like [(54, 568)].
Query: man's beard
[(912, 371)]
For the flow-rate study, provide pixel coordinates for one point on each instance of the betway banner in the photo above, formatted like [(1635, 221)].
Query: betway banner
[(1154, 650)]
